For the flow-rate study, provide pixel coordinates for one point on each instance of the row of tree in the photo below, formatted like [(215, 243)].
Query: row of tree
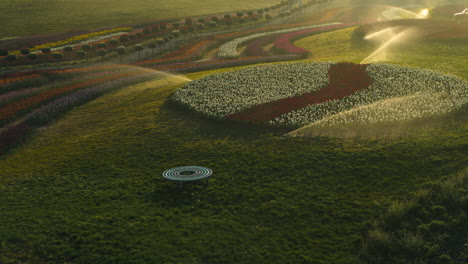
[(162, 31)]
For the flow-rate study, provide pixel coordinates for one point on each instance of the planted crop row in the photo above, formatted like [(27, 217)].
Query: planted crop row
[(10, 111)]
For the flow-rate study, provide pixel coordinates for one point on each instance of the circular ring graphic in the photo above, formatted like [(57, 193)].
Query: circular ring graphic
[(187, 173)]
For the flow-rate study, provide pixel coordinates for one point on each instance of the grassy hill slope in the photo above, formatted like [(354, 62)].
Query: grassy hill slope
[(89, 187), (26, 17)]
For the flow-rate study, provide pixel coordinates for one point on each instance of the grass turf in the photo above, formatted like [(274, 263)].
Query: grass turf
[(26, 17), (89, 187)]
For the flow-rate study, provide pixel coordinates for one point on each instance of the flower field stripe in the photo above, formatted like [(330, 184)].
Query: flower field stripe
[(9, 97), (90, 40), (45, 113), (187, 53), (77, 38), (8, 111), (229, 50), (284, 42), (345, 79)]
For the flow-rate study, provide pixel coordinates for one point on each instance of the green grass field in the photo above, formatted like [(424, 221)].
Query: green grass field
[(88, 189), (36, 17)]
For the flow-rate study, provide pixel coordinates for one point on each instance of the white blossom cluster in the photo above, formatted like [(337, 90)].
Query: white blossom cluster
[(219, 95), (397, 93), (229, 49)]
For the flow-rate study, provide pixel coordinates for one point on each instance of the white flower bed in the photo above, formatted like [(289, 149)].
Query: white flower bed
[(229, 49), (394, 109), (389, 81), (91, 40), (397, 93), (219, 95)]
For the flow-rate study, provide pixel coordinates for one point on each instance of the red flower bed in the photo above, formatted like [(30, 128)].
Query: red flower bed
[(13, 136), (255, 48), (345, 79), (283, 44)]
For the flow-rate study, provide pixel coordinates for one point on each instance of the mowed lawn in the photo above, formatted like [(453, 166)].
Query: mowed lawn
[(88, 188), (36, 17)]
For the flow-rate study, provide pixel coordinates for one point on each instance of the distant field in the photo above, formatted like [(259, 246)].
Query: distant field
[(32, 17)]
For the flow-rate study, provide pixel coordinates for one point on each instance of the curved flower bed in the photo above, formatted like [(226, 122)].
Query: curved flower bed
[(229, 49), (389, 82), (284, 44), (323, 94), (220, 95)]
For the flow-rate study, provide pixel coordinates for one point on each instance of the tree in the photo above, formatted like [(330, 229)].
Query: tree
[(166, 39), (58, 57), (184, 31), (188, 21), (267, 9), (191, 29), (139, 48), (81, 54), (4, 52), (227, 16), (240, 14), (113, 42), (250, 13), (268, 16), (175, 34), (212, 25), (46, 50), (175, 25), (25, 52), (200, 26), (160, 42), (147, 30), (201, 20), (163, 26), (86, 47), (121, 51), (124, 38), (214, 18), (102, 45), (32, 57), (102, 52), (152, 45)]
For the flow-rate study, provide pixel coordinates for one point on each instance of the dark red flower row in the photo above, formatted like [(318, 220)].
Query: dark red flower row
[(345, 79)]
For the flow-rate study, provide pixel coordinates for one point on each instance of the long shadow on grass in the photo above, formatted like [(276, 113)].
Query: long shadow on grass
[(180, 117)]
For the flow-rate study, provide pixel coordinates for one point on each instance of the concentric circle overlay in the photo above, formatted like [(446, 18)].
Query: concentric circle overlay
[(187, 173)]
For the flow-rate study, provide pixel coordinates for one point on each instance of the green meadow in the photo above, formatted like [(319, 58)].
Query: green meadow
[(37, 17), (88, 188)]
